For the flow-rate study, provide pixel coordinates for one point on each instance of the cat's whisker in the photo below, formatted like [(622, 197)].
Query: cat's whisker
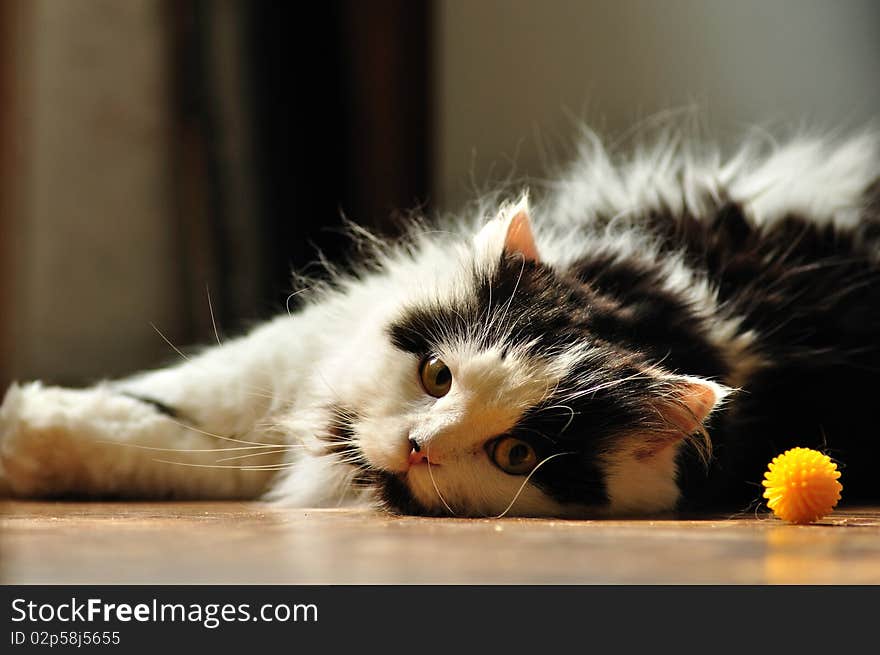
[(355, 460), (488, 314), (211, 310), (434, 482), (291, 297), (570, 418), (605, 385), (341, 416), (515, 287), (168, 341), (197, 450), (350, 483), (259, 454), (339, 409), (526, 481), (187, 358), (548, 392), (262, 395), (258, 467), (348, 454), (540, 434), (211, 434)]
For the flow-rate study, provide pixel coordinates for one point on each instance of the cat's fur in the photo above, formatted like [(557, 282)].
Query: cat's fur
[(656, 327)]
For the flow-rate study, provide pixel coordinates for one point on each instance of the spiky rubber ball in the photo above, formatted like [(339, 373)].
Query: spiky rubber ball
[(802, 485)]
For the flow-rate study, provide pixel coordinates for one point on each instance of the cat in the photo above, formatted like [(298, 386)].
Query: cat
[(642, 338)]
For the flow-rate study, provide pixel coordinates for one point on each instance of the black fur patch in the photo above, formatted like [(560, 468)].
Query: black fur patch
[(396, 496)]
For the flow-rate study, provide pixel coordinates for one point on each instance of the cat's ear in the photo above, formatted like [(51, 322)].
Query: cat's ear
[(691, 401), (510, 232), (682, 406), (519, 238)]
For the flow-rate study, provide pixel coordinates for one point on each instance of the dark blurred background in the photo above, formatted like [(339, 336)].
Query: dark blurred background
[(151, 150)]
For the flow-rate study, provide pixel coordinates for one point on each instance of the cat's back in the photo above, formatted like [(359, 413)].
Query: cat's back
[(824, 180), (769, 230), (774, 252)]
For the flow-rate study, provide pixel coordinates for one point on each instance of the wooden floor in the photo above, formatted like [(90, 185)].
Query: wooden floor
[(251, 543)]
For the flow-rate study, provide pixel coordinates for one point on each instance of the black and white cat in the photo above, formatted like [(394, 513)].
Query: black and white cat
[(645, 338)]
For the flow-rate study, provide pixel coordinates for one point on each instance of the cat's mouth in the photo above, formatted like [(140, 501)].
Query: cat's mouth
[(420, 458)]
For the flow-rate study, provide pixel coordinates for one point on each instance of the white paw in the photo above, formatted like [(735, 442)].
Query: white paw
[(35, 452)]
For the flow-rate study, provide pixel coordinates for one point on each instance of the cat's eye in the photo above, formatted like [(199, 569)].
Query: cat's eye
[(435, 376), (513, 456)]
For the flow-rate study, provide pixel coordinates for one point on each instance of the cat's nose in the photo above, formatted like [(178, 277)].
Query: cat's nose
[(416, 456)]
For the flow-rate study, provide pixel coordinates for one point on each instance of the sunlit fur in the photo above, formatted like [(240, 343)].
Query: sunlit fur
[(324, 402)]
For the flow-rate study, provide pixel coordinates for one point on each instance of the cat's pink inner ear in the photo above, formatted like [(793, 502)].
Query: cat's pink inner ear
[(696, 398), (692, 401), (519, 239)]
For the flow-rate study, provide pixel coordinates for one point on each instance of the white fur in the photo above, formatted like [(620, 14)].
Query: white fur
[(823, 178), (276, 385), (637, 486)]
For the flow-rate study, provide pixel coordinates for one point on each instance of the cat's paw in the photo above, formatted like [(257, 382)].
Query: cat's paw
[(35, 455)]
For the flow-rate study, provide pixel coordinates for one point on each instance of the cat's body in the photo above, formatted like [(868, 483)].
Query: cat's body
[(558, 364)]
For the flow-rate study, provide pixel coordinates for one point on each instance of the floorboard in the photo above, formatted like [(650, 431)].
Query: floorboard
[(177, 543)]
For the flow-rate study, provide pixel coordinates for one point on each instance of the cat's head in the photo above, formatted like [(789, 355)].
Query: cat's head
[(495, 392)]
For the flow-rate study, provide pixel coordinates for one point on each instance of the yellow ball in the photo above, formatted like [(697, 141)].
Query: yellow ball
[(801, 485)]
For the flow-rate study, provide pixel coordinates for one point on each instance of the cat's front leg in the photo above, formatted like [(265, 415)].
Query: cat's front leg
[(203, 428), (100, 442)]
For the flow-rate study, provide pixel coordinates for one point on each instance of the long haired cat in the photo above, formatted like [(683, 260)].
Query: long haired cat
[(644, 338)]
